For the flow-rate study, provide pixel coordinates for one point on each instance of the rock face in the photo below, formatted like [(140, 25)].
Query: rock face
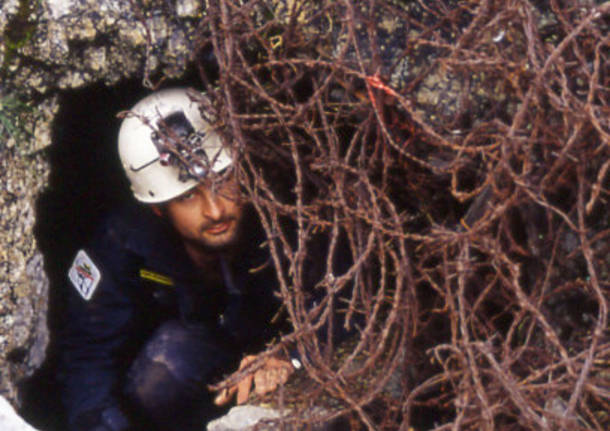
[(59, 44), (46, 47), (10, 420), (243, 418), (23, 285)]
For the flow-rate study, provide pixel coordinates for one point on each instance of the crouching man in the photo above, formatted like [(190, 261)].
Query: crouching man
[(171, 291)]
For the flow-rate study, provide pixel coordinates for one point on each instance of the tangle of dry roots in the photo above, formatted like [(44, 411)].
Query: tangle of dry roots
[(459, 152)]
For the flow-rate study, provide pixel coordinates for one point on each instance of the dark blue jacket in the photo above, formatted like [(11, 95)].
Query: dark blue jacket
[(147, 279)]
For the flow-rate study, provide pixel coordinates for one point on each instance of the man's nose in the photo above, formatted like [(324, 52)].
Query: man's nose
[(213, 206)]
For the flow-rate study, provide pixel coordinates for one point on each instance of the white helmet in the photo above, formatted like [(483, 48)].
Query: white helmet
[(166, 147)]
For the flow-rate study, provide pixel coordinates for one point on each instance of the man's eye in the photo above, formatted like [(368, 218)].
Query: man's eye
[(186, 196)]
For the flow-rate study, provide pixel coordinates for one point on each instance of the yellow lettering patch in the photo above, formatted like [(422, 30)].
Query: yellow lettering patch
[(156, 277)]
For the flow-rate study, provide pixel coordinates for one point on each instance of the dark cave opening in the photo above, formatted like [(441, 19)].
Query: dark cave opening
[(86, 181)]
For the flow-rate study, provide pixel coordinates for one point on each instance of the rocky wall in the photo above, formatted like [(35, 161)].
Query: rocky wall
[(23, 285)]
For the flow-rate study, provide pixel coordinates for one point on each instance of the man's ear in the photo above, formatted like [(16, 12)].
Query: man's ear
[(156, 209)]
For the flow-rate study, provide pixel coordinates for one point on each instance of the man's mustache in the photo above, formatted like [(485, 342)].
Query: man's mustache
[(204, 227)]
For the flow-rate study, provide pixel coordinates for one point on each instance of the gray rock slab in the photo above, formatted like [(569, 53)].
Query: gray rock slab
[(10, 420), (244, 418)]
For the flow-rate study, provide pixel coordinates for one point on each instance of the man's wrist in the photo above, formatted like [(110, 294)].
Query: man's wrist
[(296, 363)]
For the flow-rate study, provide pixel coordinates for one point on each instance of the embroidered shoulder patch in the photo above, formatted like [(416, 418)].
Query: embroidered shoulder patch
[(84, 275)]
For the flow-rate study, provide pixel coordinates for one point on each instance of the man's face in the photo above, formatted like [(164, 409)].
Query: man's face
[(206, 217)]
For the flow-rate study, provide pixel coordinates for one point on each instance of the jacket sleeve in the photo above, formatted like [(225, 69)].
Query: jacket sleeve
[(95, 334)]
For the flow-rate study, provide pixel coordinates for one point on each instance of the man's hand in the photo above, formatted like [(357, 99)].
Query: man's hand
[(266, 379)]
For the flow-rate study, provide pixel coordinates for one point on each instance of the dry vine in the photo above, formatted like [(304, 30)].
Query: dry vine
[(458, 151)]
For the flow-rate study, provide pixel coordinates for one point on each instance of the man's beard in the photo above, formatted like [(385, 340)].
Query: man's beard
[(206, 241)]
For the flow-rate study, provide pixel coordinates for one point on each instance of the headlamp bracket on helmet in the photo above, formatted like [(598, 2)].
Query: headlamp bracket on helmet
[(180, 145)]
